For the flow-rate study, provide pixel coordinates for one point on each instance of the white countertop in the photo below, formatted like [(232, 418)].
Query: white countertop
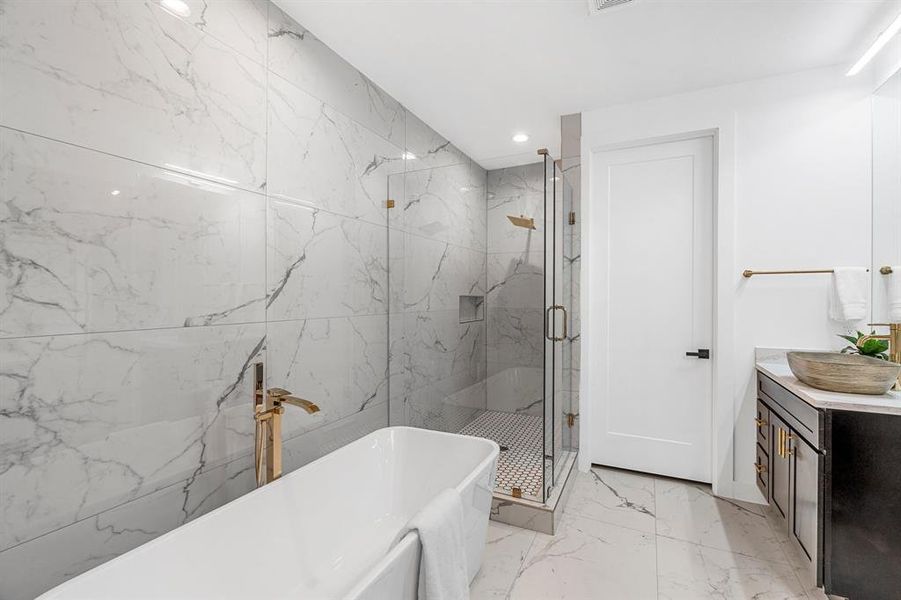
[(889, 404)]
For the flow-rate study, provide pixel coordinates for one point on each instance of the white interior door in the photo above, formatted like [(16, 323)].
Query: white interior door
[(654, 410)]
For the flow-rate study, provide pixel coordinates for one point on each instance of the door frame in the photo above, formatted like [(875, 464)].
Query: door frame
[(596, 138), (601, 219)]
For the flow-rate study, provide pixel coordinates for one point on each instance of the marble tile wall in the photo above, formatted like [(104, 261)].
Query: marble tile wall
[(437, 248), (516, 282), (180, 198)]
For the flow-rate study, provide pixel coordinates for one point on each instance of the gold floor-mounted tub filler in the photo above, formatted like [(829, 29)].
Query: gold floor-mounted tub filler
[(267, 412)]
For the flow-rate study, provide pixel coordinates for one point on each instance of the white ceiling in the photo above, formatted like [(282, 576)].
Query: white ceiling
[(478, 71)]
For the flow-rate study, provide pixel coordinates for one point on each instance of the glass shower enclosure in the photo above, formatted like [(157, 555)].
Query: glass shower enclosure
[(480, 322)]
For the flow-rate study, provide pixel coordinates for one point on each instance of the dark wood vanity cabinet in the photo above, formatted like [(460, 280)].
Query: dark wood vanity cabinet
[(794, 447), (834, 478)]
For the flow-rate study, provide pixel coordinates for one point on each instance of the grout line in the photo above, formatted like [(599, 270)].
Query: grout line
[(190, 328), (134, 330), (239, 188), (181, 482), (404, 230), (265, 196), (709, 547), (152, 492)]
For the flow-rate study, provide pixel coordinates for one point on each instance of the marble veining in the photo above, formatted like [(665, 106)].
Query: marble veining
[(92, 420), (622, 561), (427, 148), (201, 106), (300, 57), (437, 346), (516, 286), (77, 229), (443, 203), (517, 279), (324, 265), (207, 191), (614, 539), (516, 336), (339, 364), (436, 254), (434, 274), (49, 560), (713, 522), (352, 182), (688, 570), (239, 24), (616, 497)]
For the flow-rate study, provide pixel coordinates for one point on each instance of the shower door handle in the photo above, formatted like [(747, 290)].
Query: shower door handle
[(547, 323)]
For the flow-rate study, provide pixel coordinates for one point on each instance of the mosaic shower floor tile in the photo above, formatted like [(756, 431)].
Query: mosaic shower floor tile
[(520, 438)]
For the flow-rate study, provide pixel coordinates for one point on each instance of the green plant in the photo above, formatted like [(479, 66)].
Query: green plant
[(871, 347)]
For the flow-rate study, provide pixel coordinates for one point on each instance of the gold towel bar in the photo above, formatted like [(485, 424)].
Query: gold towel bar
[(750, 273)]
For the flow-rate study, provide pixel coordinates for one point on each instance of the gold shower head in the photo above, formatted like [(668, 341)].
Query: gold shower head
[(521, 221)]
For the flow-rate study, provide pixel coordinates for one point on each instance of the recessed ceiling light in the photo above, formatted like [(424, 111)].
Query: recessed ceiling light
[(177, 7), (520, 138), (881, 41), (115, 193)]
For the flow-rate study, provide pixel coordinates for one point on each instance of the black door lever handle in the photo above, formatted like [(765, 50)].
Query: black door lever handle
[(701, 353)]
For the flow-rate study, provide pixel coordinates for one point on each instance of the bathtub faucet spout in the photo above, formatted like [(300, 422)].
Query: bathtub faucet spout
[(268, 408)]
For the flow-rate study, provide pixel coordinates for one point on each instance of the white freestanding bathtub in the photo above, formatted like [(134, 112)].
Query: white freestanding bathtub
[(324, 531)]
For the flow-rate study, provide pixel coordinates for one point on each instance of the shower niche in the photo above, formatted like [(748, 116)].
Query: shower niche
[(472, 308)]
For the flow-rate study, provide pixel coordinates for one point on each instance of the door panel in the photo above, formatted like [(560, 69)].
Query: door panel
[(762, 421), (762, 468), (805, 517), (780, 482), (657, 206)]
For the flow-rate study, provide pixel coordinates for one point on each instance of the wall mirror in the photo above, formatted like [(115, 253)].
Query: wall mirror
[(886, 197)]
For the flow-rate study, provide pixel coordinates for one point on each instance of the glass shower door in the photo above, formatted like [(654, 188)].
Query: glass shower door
[(555, 322)]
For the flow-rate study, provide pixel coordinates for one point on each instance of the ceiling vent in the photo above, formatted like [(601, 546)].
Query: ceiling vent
[(596, 6)]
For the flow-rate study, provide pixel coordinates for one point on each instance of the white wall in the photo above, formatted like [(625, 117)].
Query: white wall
[(793, 192)]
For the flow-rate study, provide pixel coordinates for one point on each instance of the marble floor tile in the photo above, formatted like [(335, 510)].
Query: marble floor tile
[(588, 559), (504, 554), (617, 497), (692, 572), (704, 547), (690, 512), (804, 569)]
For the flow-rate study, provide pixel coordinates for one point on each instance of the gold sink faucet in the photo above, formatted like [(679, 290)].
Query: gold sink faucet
[(268, 408), (894, 343)]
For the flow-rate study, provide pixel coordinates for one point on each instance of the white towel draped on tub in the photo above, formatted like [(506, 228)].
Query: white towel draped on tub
[(894, 294), (850, 293), (443, 572)]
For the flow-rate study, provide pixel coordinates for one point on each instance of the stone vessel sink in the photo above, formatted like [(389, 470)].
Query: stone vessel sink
[(848, 373)]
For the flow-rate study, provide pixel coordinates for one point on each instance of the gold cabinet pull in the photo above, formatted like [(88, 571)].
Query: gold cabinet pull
[(781, 437), (789, 451), (760, 423), (759, 467)]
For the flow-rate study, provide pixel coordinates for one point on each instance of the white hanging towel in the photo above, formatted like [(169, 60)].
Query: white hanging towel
[(894, 294), (443, 572), (850, 293)]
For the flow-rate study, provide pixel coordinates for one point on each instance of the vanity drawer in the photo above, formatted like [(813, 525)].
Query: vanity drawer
[(802, 417), (762, 467), (762, 422)]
